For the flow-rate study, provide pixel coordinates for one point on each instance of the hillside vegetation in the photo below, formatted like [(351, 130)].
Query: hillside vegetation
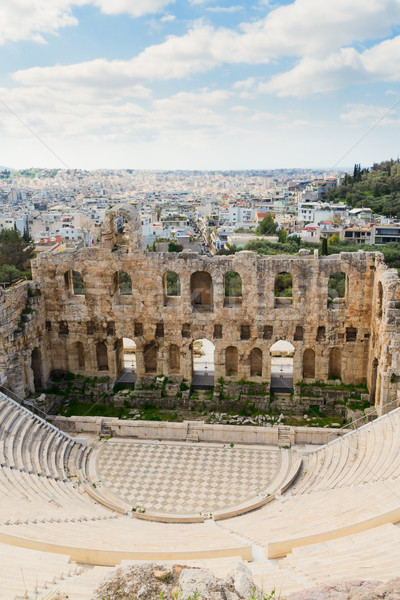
[(377, 188)]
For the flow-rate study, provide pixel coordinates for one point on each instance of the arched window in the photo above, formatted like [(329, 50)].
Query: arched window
[(233, 289), (380, 299), (102, 356), (150, 358), (201, 291), (309, 364), (80, 355), (231, 361), (174, 359), (124, 284), (77, 283), (335, 363), (336, 287), (283, 289), (172, 284), (256, 362)]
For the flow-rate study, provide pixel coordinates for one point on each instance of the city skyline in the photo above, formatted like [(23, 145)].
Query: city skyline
[(198, 84)]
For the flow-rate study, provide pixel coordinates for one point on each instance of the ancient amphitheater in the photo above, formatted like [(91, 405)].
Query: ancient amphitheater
[(299, 516)]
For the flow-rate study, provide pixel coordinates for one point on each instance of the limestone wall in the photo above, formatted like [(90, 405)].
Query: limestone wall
[(102, 314), (80, 326), (154, 430), (23, 341)]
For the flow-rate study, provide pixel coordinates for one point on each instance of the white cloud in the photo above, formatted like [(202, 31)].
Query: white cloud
[(224, 9), (244, 84), (31, 19), (136, 8), (364, 114), (339, 69), (168, 18), (313, 30)]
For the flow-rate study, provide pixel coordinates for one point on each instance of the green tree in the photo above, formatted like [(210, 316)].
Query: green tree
[(174, 247), (282, 236), (14, 250), (9, 273), (267, 226)]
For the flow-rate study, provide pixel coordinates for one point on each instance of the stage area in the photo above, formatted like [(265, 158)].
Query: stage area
[(186, 478)]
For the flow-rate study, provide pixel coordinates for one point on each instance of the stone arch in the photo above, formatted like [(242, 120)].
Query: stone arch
[(309, 363), (283, 288), (80, 355), (336, 287), (132, 227), (380, 299), (203, 363), (174, 359), (77, 284), (36, 365), (335, 363), (232, 289), (172, 284), (150, 357), (231, 361), (102, 356), (281, 357), (201, 291), (256, 362), (124, 283)]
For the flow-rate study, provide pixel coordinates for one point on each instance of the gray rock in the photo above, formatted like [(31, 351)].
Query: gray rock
[(242, 581)]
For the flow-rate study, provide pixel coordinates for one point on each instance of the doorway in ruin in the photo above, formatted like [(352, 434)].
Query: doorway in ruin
[(203, 364), (36, 365), (282, 353), (126, 361)]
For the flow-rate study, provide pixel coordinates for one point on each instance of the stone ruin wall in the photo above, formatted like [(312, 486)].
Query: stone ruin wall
[(66, 327), (24, 346)]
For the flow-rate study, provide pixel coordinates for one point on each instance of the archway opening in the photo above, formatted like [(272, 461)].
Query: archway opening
[(336, 287), (36, 364), (335, 364), (283, 289), (126, 361), (231, 361), (233, 289), (282, 353), (203, 364), (201, 291), (150, 357), (77, 283), (256, 362), (102, 356), (172, 287)]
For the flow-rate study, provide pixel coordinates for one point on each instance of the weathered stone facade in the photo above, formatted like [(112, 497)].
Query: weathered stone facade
[(356, 337)]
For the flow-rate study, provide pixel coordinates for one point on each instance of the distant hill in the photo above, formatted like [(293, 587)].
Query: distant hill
[(377, 188)]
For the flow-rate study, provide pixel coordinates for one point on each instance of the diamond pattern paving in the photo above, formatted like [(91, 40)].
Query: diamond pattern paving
[(185, 478)]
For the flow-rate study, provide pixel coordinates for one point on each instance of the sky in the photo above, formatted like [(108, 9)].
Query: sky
[(199, 84)]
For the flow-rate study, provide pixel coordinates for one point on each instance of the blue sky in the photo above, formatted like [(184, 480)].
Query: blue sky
[(199, 84)]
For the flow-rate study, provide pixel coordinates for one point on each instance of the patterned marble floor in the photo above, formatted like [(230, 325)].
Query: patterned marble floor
[(185, 478)]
